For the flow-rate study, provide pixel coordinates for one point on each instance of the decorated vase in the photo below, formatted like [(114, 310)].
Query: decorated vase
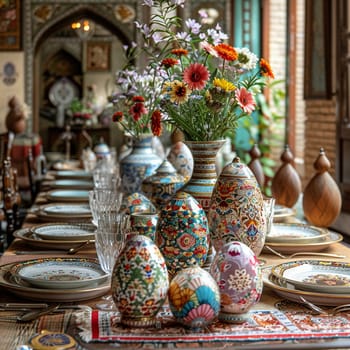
[(194, 298), (139, 282), (139, 164), (136, 203), (237, 209), (182, 233), (181, 158), (162, 185), (204, 173), (144, 223), (236, 270)]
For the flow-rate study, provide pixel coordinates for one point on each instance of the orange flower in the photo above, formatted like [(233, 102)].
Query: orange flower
[(156, 125), (226, 52), (169, 62), (179, 52), (266, 69), (117, 117)]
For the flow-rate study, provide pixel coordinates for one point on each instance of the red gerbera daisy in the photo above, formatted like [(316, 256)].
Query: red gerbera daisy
[(156, 125), (138, 99), (196, 76), (226, 52), (137, 110), (169, 62), (117, 117), (245, 100), (266, 69)]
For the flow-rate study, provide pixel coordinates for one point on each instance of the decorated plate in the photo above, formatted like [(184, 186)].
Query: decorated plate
[(290, 248), (60, 273), (295, 233), (25, 290), (68, 195), (288, 291), (64, 209), (33, 240), (71, 183), (281, 213), (66, 232), (73, 174), (315, 275)]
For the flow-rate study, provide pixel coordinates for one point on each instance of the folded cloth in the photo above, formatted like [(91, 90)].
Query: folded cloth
[(103, 326)]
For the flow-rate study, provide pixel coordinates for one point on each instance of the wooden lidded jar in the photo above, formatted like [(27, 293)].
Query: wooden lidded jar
[(322, 198)]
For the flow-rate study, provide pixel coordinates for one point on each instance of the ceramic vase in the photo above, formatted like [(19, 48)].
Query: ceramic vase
[(136, 203), (204, 173), (182, 233), (237, 209), (139, 282), (236, 270), (144, 223), (194, 298), (139, 164), (162, 185)]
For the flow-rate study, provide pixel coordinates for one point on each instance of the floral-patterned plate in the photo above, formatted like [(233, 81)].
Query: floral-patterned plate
[(295, 233), (60, 273), (288, 291), (315, 275)]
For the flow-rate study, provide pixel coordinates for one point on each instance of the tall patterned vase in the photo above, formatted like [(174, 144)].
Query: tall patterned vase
[(204, 172), (237, 209), (139, 164)]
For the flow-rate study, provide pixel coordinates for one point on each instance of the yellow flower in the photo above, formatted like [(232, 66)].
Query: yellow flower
[(179, 92), (224, 84)]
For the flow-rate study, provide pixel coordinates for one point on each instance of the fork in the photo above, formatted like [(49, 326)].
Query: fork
[(321, 311), (329, 255)]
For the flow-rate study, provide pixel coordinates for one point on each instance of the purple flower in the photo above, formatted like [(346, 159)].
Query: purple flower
[(193, 26)]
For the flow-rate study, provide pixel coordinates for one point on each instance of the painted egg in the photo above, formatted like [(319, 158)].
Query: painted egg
[(194, 298), (182, 233), (180, 156), (139, 282), (135, 203), (236, 270)]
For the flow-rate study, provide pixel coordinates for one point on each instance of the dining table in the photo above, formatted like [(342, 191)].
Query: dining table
[(280, 320)]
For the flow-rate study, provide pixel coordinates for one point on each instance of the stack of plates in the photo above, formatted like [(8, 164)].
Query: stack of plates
[(291, 238), (282, 213), (55, 279), (68, 196), (319, 281), (72, 184), (63, 212), (73, 174)]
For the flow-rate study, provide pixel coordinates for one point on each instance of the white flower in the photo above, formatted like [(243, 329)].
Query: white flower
[(247, 60)]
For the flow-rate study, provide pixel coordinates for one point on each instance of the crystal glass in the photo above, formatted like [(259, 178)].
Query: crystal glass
[(106, 178), (269, 208)]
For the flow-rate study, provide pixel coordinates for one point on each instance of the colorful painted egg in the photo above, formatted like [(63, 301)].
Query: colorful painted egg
[(194, 298), (181, 158), (139, 282), (136, 203), (237, 210), (182, 233), (162, 185), (236, 270), (144, 223)]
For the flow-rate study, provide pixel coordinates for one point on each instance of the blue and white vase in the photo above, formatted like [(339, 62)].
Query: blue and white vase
[(139, 164)]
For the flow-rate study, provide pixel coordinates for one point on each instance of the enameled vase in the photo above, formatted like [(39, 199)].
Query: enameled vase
[(237, 209), (182, 233), (194, 298), (204, 173), (236, 270), (139, 164), (139, 282)]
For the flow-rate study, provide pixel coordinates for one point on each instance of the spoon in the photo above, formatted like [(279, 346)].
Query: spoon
[(329, 255), (76, 249)]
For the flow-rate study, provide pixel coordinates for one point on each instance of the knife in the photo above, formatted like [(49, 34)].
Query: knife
[(32, 315), (38, 252), (21, 306)]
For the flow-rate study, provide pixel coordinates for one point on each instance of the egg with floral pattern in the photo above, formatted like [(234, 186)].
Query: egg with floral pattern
[(236, 270), (139, 282), (182, 233), (194, 298)]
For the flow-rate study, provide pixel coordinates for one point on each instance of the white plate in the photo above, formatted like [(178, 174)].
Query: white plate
[(66, 232), (33, 240), (295, 233), (73, 174), (288, 291), (281, 213), (64, 209), (71, 183), (68, 195), (25, 290), (60, 273), (315, 275), (290, 248)]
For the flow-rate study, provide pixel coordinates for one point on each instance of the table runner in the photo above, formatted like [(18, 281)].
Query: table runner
[(263, 325)]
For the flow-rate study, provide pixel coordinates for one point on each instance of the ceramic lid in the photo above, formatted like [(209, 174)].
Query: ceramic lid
[(53, 341), (237, 169)]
